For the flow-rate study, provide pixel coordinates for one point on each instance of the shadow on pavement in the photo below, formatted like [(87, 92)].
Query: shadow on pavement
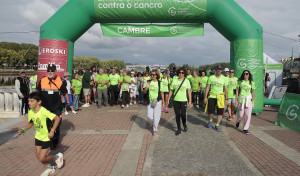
[(7, 135)]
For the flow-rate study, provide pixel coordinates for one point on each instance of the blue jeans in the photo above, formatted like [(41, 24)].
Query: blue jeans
[(75, 101), (141, 96)]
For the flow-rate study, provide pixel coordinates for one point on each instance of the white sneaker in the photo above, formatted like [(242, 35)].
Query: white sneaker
[(50, 170), (127, 105), (60, 160), (66, 113), (134, 102), (197, 106), (130, 104), (85, 105), (74, 112), (122, 106)]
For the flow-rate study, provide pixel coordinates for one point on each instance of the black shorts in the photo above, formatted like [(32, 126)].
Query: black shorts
[(166, 93), (212, 103), (44, 144)]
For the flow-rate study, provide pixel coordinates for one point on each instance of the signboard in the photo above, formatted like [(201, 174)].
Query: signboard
[(289, 112), (150, 9), (55, 52), (178, 30)]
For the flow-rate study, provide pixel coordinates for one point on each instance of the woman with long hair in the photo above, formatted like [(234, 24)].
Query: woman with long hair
[(165, 87), (180, 100), (246, 98), (155, 99)]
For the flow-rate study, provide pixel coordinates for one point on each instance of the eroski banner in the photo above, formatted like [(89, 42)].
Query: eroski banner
[(177, 30), (55, 52), (150, 9)]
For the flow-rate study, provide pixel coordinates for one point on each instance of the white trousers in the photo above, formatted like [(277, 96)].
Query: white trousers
[(154, 113)]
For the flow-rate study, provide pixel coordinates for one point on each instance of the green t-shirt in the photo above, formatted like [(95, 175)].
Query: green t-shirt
[(125, 84), (102, 78), (114, 79), (164, 87), (204, 81), (216, 85), (34, 78), (232, 83), (245, 88), (181, 94), (195, 81), (153, 90), (189, 77), (39, 120), (77, 86)]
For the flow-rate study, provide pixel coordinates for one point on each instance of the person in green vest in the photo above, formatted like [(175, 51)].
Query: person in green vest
[(76, 88), (245, 96), (165, 88), (203, 84), (180, 100), (195, 84), (33, 80), (124, 91), (102, 80), (155, 100), (189, 74), (216, 85), (232, 84), (113, 89)]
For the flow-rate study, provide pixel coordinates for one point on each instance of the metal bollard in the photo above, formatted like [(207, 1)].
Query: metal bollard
[(8, 101)]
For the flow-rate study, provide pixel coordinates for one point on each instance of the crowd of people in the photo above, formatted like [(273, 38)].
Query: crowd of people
[(216, 91)]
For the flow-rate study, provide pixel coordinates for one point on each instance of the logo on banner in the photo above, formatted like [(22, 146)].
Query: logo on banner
[(241, 63), (173, 30), (172, 11), (44, 66), (292, 112), (46, 50)]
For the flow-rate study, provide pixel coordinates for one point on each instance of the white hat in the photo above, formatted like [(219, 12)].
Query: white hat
[(226, 70)]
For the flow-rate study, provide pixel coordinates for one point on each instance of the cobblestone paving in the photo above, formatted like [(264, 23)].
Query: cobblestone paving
[(200, 151), (288, 137)]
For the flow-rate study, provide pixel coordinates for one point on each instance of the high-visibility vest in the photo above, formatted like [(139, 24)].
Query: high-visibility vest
[(51, 85)]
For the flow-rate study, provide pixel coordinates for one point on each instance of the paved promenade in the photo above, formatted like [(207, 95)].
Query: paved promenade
[(118, 142)]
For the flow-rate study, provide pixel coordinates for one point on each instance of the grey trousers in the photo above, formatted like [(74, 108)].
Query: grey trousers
[(102, 92)]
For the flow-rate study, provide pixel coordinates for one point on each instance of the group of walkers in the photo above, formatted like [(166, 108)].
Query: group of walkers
[(218, 90)]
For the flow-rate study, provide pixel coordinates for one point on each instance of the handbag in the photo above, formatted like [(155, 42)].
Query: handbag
[(171, 102)]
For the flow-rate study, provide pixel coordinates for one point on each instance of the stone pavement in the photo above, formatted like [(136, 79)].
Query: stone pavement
[(115, 141)]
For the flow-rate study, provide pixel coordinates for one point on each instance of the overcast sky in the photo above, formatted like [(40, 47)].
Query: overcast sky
[(278, 17)]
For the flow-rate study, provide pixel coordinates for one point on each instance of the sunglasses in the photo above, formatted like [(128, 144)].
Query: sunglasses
[(181, 72), (153, 74), (231, 72), (246, 73), (50, 70)]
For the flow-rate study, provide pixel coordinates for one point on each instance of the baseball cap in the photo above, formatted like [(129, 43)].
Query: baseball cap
[(51, 67), (219, 67), (22, 71), (226, 70)]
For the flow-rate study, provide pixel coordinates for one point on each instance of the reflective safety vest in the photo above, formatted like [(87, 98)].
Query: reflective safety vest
[(51, 84)]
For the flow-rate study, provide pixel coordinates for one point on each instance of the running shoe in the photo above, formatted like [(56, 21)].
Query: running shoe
[(246, 131), (166, 110), (74, 112), (162, 109), (122, 106), (130, 104), (60, 160), (127, 105), (209, 125), (218, 128), (134, 102), (66, 113), (85, 105), (197, 106), (229, 118), (237, 125), (50, 170), (232, 114), (177, 132)]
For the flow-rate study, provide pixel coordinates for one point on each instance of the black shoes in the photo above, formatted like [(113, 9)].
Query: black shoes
[(177, 132), (237, 125), (185, 128), (246, 131)]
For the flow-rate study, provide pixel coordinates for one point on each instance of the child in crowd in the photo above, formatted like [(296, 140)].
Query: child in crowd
[(38, 116)]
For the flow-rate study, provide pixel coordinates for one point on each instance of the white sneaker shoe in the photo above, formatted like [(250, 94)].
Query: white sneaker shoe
[(50, 170), (66, 113), (134, 102), (60, 160), (74, 112), (197, 106), (122, 106), (127, 105), (130, 104), (85, 105)]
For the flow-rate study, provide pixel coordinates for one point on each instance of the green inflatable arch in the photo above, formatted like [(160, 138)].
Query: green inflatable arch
[(226, 16)]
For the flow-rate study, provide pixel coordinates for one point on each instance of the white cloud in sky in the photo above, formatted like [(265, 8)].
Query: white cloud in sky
[(279, 17)]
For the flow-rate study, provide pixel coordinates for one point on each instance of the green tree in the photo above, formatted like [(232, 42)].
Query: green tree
[(172, 65)]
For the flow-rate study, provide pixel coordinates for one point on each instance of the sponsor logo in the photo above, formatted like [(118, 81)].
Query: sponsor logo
[(172, 11), (292, 112), (241, 63), (43, 67), (46, 50), (173, 30)]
